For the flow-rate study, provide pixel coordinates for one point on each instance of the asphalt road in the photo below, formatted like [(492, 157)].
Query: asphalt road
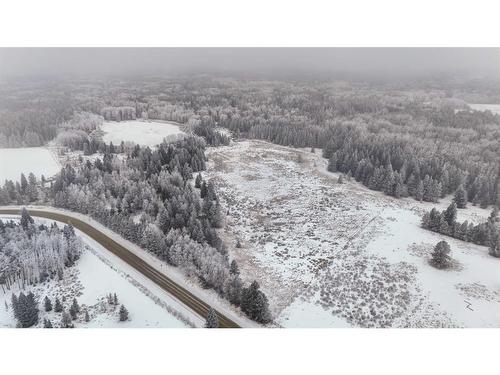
[(184, 296)]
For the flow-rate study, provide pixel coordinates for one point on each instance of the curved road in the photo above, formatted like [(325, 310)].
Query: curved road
[(183, 295)]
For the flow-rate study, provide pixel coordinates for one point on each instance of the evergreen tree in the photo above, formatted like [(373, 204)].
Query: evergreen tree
[(332, 163), (24, 183), (87, 317), (26, 219), (233, 268), (47, 304), (450, 215), (419, 193), (123, 314), (212, 320), (254, 303), (58, 306), (460, 197), (74, 309), (493, 218), (440, 256), (47, 323), (66, 321), (203, 190), (27, 310), (340, 180), (198, 181)]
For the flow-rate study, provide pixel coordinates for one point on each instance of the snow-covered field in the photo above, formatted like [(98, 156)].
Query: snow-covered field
[(14, 161), (145, 133), (96, 274), (340, 255), (495, 108)]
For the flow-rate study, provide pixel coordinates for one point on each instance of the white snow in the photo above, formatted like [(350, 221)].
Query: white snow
[(208, 296), (336, 255), (98, 273), (14, 161), (494, 108), (145, 133)]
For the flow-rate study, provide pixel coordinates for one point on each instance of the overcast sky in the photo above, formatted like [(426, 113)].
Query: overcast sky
[(124, 61)]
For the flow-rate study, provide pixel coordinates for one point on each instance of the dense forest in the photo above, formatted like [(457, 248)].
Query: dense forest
[(31, 253), (148, 196), (406, 139)]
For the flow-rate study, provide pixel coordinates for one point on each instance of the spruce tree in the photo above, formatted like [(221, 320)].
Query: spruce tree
[(123, 314), (340, 180), (233, 268), (66, 320), (47, 323), (203, 190), (450, 215), (332, 163), (460, 197), (440, 256), (74, 309), (27, 310), (419, 192), (26, 219), (87, 317), (254, 303), (198, 181), (212, 320), (47, 304), (58, 306)]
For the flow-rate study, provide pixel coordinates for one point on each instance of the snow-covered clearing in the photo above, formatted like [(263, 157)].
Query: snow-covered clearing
[(96, 274), (337, 255), (145, 133), (14, 161), (494, 108)]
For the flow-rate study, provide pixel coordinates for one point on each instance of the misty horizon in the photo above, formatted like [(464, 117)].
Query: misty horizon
[(269, 62)]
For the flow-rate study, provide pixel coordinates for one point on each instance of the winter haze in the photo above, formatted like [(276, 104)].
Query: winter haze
[(249, 187), (384, 62)]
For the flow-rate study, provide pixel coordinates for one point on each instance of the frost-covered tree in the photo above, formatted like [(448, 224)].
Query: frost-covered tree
[(74, 309), (460, 197), (234, 269), (450, 215), (26, 219), (26, 309), (47, 304), (198, 181), (66, 321), (440, 256), (212, 320), (123, 313), (255, 304), (58, 307)]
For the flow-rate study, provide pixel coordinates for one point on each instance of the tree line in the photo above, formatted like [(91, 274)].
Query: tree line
[(445, 222)]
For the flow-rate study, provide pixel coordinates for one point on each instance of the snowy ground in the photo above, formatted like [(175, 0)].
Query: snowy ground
[(96, 274), (14, 161), (141, 132), (495, 108), (339, 255)]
